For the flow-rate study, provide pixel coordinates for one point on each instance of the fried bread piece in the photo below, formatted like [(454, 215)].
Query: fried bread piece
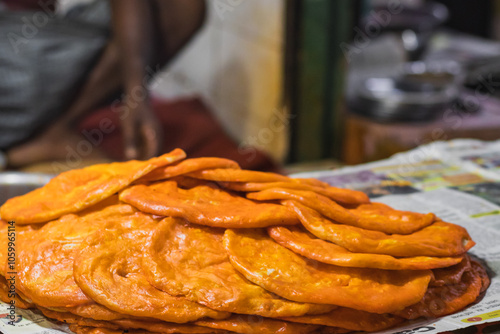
[(371, 216), (351, 319), (438, 239), (95, 330), (188, 260), (45, 260), (206, 205), (70, 318), (451, 275), (4, 242), (340, 195), (108, 269), (93, 311), (173, 329), (391, 220), (83, 325), (126, 325), (188, 166), (76, 190), (238, 175), (300, 241), (247, 324), (165, 327), (232, 177), (332, 330), (277, 269), (9, 240), (450, 298), (6, 295)]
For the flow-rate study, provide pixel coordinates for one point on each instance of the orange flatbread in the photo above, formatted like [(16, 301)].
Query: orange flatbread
[(351, 319), (450, 298), (165, 327), (189, 166), (83, 325), (6, 295), (391, 220), (93, 330), (70, 318), (332, 330), (45, 260), (372, 216), (4, 246), (437, 239), (76, 190), (312, 182), (451, 275), (230, 177), (238, 175), (125, 325), (247, 324), (279, 270), (188, 260), (94, 311), (343, 196), (17, 235), (206, 205), (107, 269), (300, 241)]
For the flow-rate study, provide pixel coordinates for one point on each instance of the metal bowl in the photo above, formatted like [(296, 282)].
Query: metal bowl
[(419, 93), (17, 183)]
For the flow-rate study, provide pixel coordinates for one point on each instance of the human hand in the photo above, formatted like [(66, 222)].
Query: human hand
[(142, 132)]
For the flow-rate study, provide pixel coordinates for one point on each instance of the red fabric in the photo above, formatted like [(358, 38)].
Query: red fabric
[(187, 124)]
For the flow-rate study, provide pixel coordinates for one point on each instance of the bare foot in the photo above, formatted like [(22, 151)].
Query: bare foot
[(56, 143)]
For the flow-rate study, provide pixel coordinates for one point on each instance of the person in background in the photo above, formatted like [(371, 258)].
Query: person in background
[(55, 72)]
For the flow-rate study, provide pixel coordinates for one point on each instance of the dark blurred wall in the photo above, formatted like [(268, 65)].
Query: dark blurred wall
[(472, 17)]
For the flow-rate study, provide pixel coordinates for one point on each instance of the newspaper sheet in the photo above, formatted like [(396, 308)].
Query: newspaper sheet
[(458, 180)]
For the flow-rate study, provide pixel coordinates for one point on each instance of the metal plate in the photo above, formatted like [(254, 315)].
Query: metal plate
[(17, 183)]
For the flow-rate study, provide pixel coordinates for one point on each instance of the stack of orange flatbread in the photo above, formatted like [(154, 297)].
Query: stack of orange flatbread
[(175, 245)]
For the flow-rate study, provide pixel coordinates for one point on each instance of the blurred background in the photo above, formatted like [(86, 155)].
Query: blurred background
[(280, 85)]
